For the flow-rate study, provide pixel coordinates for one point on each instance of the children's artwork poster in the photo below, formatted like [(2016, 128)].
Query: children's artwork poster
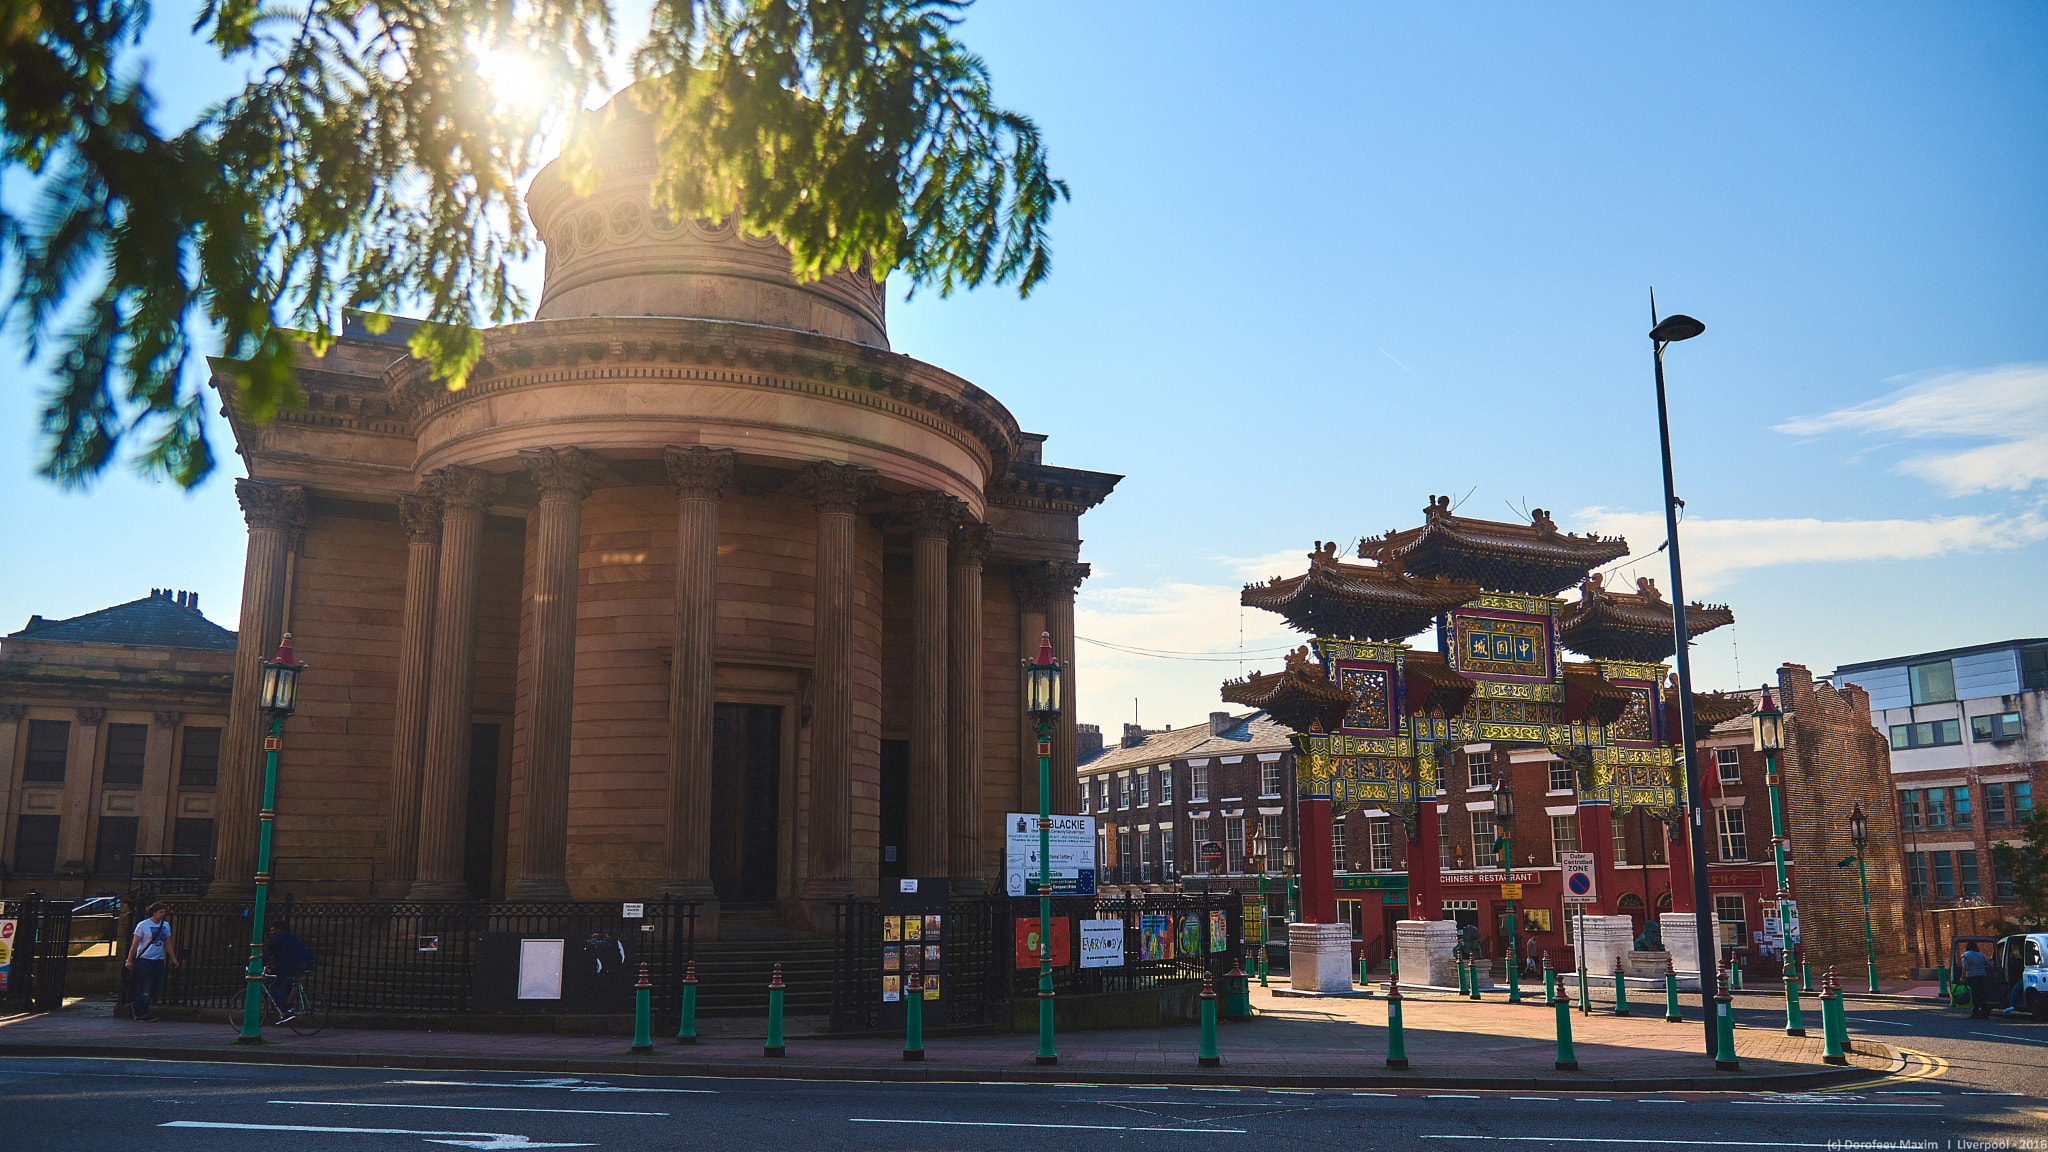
[(931, 928), (1102, 943), (1190, 941), (1027, 942), (6, 953), (1219, 930), (1155, 937), (931, 955)]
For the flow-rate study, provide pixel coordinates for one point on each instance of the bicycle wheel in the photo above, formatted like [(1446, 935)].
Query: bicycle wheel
[(267, 1010), (307, 1020)]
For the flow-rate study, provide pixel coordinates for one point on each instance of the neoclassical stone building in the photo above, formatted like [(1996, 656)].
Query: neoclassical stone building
[(695, 588)]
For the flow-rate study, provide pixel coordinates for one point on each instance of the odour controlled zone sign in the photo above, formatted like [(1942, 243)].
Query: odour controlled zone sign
[(1073, 854), (1578, 877)]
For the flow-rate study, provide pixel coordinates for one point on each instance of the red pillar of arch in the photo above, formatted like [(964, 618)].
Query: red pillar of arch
[(1317, 864)]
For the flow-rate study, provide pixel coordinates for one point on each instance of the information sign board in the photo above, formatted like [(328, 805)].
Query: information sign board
[(1579, 885), (1073, 854)]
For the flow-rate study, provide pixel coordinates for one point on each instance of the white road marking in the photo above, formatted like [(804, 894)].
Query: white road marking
[(1450, 1096), (1375, 1093), (1014, 1124), (2009, 1036), (562, 1087), (1830, 1104), (475, 1139), (1219, 1089), (463, 1108), (1875, 1020), (1908, 1093), (1548, 1099)]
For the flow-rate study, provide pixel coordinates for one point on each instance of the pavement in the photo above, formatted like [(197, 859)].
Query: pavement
[(1452, 1042)]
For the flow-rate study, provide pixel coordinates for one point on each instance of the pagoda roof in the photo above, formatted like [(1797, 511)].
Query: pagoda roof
[(1588, 697), (1434, 689), (1714, 708), (1357, 601), (1608, 625), (1534, 559), (1299, 696)]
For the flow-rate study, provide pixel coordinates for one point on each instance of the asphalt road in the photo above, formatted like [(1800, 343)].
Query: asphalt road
[(1968, 1081)]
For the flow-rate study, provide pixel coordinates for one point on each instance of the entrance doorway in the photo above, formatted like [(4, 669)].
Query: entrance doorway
[(480, 817), (746, 808)]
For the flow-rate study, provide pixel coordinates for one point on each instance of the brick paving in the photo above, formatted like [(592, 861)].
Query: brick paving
[(1292, 1042)]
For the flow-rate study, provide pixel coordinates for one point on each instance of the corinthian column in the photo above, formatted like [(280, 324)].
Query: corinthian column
[(420, 514), (273, 512), (561, 477), (964, 705), (700, 476), (444, 790), (836, 491), (931, 516)]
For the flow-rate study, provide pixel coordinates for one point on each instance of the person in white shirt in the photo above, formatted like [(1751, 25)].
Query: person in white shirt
[(148, 951)]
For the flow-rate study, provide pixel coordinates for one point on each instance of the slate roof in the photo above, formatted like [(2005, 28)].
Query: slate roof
[(1253, 732), (155, 621)]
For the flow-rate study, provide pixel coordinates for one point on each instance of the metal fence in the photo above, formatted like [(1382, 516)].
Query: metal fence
[(378, 957), (983, 973), (38, 951), (151, 874)]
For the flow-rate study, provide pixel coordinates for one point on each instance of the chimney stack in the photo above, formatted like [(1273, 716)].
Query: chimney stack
[(1220, 722), (1133, 735)]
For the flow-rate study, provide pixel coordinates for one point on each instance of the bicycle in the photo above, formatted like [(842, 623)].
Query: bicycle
[(306, 1019)]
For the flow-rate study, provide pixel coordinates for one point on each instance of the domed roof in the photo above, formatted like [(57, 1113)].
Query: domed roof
[(612, 253)]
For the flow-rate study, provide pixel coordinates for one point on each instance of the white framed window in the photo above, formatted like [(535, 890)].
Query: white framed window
[(1728, 915), (1083, 809), (1233, 843), (1269, 777), (1167, 859), (1198, 835), (1198, 783), (1728, 765), (1337, 844), (1275, 828), (1479, 767), (1560, 776), (1483, 853), (1564, 837), (1166, 785), (1382, 846), (1123, 792), (1144, 789), (1734, 841), (1444, 858), (1469, 907), (1621, 840)]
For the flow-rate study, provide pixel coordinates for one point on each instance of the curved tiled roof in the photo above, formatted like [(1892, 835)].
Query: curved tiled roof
[(1355, 601), (1534, 558), (1630, 625)]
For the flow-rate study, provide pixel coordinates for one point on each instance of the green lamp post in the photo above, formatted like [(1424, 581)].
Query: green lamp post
[(1504, 846), (276, 695), (1042, 703), (1293, 886), (1262, 844), (1767, 729), (1859, 834)]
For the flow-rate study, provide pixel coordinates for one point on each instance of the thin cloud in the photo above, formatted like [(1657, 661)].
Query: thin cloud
[(2007, 405), (1167, 617)]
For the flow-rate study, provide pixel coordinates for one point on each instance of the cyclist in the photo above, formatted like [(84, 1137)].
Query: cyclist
[(288, 959)]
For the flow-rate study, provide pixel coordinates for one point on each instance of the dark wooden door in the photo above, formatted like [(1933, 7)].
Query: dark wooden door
[(746, 809)]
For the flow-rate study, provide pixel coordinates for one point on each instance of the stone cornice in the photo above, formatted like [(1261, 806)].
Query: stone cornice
[(1045, 488)]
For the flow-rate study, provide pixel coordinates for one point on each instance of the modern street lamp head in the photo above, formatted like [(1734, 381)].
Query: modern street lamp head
[(1042, 682), (1859, 827), (278, 691), (1767, 725), (1676, 327)]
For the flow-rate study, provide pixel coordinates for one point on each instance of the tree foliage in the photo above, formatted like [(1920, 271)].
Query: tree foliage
[(2026, 865), (368, 164)]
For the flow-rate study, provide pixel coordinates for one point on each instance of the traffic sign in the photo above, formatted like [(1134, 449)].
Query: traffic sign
[(1511, 891), (1579, 887)]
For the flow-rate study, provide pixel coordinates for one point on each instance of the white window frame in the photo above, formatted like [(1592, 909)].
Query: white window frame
[(1382, 845), (1166, 785), (1269, 778), (1731, 832), (1198, 783), (1144, 789), (1557, 842), (1483, 855), (1444, 858), (1338, 843), (1620, 826), (1728, 765), (1561, 768), (1478, 770)]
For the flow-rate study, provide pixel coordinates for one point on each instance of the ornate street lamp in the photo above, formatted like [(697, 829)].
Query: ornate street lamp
[(1042, 704), (1767, 731), (1504, 847), (1859, 835), (1262, 844), (276, 695), (1287, 870), (1662, 334)]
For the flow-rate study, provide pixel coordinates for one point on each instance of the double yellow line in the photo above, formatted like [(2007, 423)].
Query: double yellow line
[(1919, 1066)]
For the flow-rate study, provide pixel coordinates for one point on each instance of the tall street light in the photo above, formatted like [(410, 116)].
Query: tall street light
[(1859, 835), (276, 696), (1042, 702), (1504, 845), (1664, 333), (1767, 730)]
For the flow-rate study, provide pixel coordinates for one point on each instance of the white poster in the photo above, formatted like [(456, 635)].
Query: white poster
[(540, 969), (1102, 943), (1073, 854)]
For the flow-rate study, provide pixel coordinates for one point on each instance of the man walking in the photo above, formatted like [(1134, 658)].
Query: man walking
[(148, 951), (1977, 976)]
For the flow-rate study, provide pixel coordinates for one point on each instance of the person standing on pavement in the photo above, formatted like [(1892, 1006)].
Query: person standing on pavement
[(1977, 977), (148, 951)]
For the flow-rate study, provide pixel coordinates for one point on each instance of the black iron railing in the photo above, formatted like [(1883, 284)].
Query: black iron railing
[(169, 873), (39, 950)]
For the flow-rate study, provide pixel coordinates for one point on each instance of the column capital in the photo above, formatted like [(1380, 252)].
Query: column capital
[(1042, 582), (268, 505), (930, 514), (836, 487), (169, 719), (466, 489), (567, 471), (420, 513), (698, 472), (91, 715), (10, 712), (971, 544)]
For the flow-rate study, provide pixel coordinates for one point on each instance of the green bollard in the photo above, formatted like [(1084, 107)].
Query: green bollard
[(1672, 1014), (1567, 1060), (1941, 977), (1237, 994), (1207, 1058), (1549, 982), (1724, 1029), (1834, 1023), (1393, 966), (1735, 974), (1585, 992), (1805, 976), (643, 993), (686, 1031), (1795, 1019), (1474, 966), (774, 1045), (913, 1018), (1262, 967), (1364, 974), (1459, 956), (1397, 1043), (1620, 989)]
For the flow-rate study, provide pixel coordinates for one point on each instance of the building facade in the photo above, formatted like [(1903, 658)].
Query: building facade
[(1968, 733), (695, 587), (110, 740)]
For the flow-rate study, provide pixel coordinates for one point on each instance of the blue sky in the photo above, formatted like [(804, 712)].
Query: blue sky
[(1325, 263)]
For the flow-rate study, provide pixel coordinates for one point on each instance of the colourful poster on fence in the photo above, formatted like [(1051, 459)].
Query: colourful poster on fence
[(1027, 941), (6, 953), (1190, 942), (1219, 931), (1254, 922), (1155, 937)]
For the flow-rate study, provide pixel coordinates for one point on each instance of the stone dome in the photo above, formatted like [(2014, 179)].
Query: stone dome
[(612, 253)]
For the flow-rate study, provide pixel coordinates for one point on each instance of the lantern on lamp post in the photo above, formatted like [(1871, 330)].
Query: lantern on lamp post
[(1859, 835), (1767, 732), (277, 695), (1042, 704), (1261, 845), (1287, 871), (1504, 847)]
